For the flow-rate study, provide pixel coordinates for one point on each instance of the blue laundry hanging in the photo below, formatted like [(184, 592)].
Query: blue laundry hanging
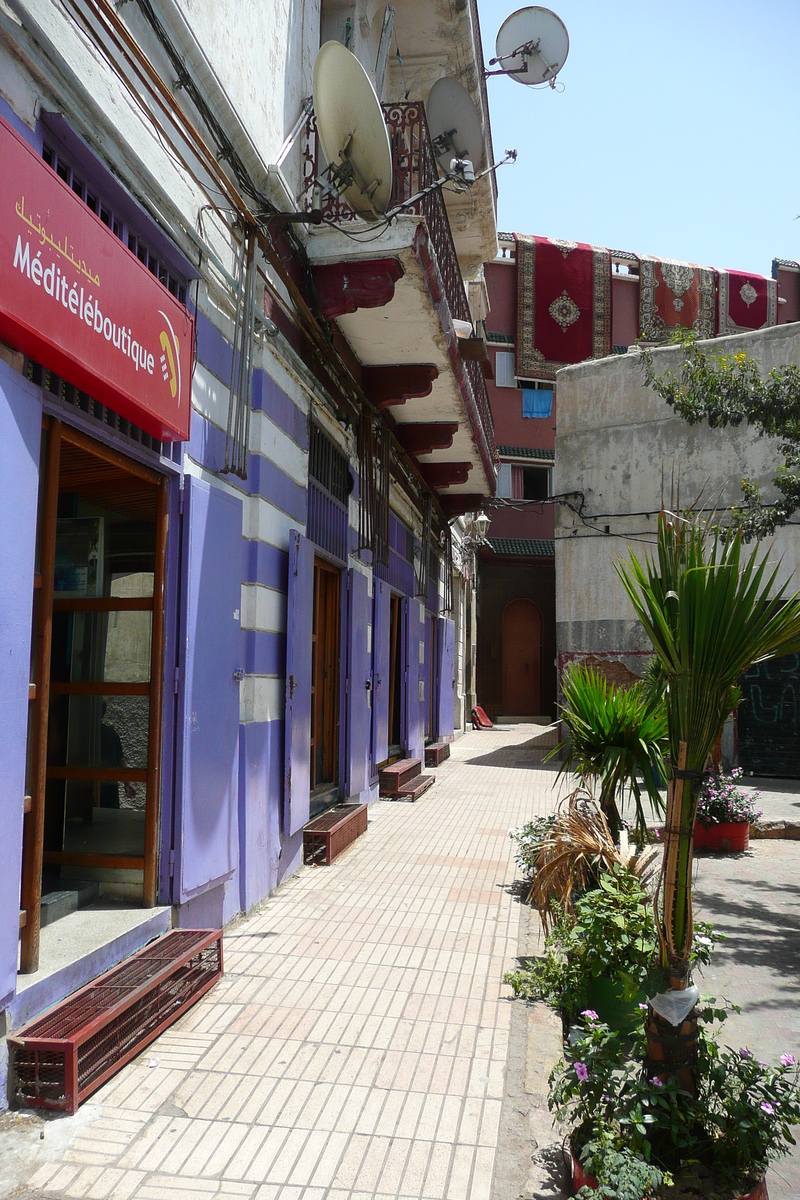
[(537, 402)]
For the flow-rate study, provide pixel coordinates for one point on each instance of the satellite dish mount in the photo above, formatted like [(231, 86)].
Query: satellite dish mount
[(532, 46)]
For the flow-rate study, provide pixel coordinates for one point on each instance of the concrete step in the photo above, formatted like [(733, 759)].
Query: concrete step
[(397, 773), (56, 905), (436, 753)]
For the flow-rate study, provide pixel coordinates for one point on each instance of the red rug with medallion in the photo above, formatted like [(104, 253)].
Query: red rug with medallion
[(675, 295), (745, 302), (563, 304)]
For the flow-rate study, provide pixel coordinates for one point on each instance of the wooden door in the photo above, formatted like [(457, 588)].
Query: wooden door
[(325, 676), (522, 659), (96, 724)]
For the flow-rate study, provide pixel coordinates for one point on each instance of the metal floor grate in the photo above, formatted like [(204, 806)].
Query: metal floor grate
[(62, 1057)]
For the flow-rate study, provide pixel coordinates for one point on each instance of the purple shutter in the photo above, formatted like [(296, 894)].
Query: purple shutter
[(415, 688), (381, 630), (446, 633), (358, 675), (299, 627), (20, 436), (208, 700)]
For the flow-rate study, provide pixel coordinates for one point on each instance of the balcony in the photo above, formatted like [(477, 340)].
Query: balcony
[(403, 314)]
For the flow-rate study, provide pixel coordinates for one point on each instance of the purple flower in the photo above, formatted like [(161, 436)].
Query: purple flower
[(656, 1081), (787, 1060), (644, 1007), (590, 1014), (581, 1071), (745, 1053), (766, 1107)]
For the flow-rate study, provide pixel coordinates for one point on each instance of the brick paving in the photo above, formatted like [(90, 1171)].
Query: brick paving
[(357, 1046)]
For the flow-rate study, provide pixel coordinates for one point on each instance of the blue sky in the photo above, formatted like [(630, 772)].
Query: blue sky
[(676, 133)]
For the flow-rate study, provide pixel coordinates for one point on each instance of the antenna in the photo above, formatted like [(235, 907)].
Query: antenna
[(352, 131), (531, 47), (454, 124)]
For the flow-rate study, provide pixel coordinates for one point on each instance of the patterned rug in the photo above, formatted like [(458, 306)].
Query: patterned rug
[(746, 302), (563, 304), (675, 294)]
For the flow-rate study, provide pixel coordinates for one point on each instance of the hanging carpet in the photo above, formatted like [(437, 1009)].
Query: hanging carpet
[(746, 302), (563, 305), (675, 295)]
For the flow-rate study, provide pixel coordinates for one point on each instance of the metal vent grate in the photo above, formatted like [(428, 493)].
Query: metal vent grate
[(79, 400), (61, 1058), (118, 226)]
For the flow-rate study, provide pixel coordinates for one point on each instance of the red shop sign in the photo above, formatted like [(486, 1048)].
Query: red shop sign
[(75, 299)]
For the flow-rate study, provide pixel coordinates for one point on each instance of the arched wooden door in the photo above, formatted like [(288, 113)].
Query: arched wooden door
[(522, 659)]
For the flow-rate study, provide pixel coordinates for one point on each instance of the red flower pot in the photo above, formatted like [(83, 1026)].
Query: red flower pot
[(725, 839), (580, 1180)]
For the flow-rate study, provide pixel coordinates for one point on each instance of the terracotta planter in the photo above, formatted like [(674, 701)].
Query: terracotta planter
[(731, 838), (580, 1180)]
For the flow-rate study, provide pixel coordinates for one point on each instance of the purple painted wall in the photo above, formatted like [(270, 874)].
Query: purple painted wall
[(20, 435)]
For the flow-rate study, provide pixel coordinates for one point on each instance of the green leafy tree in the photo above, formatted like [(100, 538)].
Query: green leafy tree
[(728, 390)]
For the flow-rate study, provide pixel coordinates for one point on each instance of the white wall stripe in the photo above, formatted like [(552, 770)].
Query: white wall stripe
[(263, 608)]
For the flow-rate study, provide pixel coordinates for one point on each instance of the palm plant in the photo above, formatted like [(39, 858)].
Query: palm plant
[(615, 735), (710, 615)]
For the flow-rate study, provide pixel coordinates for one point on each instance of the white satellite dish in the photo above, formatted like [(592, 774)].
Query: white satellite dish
[(352, 130), (454, 124), (532, 46)]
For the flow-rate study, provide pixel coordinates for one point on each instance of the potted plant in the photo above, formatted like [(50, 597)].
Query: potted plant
[(634, 1134), (725, 813), (599, 957)]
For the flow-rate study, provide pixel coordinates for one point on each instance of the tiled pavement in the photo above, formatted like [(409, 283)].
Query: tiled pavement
[(356, 1047)]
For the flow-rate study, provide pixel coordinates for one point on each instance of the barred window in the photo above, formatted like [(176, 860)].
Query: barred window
[(328, 466)]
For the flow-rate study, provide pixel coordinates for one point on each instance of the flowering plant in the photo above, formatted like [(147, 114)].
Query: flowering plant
[(632, 1128), (722, 801)]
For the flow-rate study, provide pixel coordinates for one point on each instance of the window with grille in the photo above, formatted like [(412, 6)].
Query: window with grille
[(118, 226), (328, 466)]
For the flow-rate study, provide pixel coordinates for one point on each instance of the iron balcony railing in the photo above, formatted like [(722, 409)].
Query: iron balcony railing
[(414, 168)]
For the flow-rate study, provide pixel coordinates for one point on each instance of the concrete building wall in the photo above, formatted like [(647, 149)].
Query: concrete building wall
[(622, 452)]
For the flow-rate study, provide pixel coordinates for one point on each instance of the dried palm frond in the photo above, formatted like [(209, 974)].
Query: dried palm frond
[(577, 849)]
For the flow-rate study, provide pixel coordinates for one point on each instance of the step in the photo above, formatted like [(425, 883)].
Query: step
[(56, 905), (398, 773), (332, 832), (63, 1056), (413, 790), (436, 754)]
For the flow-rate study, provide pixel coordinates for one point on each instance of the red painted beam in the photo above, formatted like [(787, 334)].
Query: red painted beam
[(457, 505), (344, 287), (425, 438), (445, 474), (389, 385)]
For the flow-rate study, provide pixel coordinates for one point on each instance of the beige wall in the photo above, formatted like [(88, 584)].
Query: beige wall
[(621, 446)]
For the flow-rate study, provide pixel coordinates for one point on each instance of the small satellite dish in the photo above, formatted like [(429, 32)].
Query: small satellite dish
[(454, 124), (532, 46), (352, 130)]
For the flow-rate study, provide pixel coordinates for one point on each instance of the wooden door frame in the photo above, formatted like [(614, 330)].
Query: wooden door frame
[(395, 651), (33, 833)]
